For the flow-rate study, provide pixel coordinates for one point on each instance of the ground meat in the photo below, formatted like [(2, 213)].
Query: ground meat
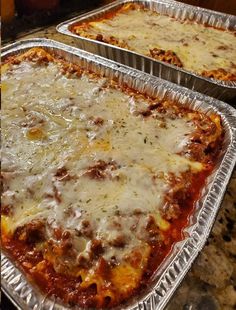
[(32, 232), (69, 70), (180, 189), (197, 151), (99, 37), (166, 56), (223, 47), (207, 128), (152, 230), (134, 258), (5, 180), (110, 40), (61, 252), (96, 247), (37, 55), (91, 301), (146, 113), (219, 74), (119, 241), (154, 106), (115, 224), (97, 121), (33, 256), (177, 197), (85, 229), (150, 110), (82, 261), (170, 211), (180, 192), (66, 242), (100, 170), (166, 107), (113, 261), (7, 210), (57, 233), (62, 174), (203, 141), (114, 41), (138, 211)]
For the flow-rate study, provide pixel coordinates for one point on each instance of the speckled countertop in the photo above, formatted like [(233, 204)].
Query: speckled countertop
[(211, 283)]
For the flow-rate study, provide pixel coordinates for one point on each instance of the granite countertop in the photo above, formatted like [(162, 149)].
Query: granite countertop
[(211, 282)]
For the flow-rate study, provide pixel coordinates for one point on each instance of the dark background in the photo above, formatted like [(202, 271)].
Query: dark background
[(6, 304), (29, 20)]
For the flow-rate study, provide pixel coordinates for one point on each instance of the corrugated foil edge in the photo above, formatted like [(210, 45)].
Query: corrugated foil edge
[(219, 89), (176, 265)]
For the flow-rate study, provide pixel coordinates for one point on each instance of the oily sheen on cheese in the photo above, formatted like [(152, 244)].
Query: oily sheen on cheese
[(72, 141), (90, 173), (198, 47)]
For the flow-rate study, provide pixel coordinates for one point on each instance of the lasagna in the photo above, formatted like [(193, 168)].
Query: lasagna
[(98, 179), (201, 49)]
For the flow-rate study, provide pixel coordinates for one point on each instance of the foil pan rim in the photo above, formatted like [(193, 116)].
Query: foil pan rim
[(63, 28), (29, 298), (209, 11)]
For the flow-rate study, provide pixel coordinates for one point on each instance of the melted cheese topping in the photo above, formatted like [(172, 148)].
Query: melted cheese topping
[(198, 47), (48, 124)]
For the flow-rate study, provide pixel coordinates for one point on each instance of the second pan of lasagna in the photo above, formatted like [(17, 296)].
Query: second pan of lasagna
[(183, 44), (111, 179)]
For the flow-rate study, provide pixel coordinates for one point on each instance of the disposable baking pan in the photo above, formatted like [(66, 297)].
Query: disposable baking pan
[(223, 90), (27, 296)]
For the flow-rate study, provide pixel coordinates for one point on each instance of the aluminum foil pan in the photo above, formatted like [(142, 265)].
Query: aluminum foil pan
[(223, 90), (168, 277)]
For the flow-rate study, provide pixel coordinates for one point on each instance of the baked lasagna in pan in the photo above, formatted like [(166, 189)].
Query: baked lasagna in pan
[(195, 47), (98, 179)]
